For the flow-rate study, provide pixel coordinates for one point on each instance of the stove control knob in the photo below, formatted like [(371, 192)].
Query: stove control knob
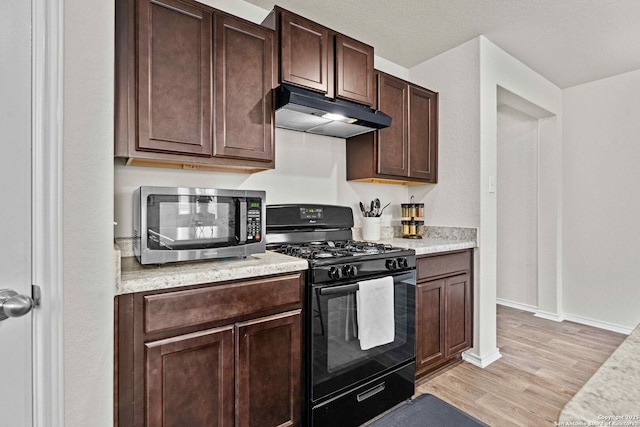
[(402, 263), (335, 273), (350, 270), (391, 264)]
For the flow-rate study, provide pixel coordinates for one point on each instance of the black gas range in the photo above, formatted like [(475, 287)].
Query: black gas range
[(332, 261), (346, 384)]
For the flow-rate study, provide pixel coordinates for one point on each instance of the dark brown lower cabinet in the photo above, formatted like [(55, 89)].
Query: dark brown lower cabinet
[(189, 379), (268, 371), (227, 354), (429, 324), (444, 309)]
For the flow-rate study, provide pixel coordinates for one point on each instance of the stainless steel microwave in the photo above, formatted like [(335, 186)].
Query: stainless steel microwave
[(182, 224)]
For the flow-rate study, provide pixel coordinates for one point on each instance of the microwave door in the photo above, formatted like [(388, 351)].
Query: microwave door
[(191, 222)]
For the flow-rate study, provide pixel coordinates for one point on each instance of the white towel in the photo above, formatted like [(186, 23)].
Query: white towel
[(376, 324)]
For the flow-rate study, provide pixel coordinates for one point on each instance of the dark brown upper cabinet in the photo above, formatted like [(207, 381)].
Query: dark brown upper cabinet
[(243, 106), (193, 87), (304, 52), (354, 70), (321, 59), (407, 151)]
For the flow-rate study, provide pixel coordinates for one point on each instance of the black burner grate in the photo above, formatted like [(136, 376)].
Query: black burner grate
[(338, 249)]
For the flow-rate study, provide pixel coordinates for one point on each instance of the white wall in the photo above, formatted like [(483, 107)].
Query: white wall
[(309, 169), (601, 259), (454, 74), (549, 218), (517, 215), (88, 273)]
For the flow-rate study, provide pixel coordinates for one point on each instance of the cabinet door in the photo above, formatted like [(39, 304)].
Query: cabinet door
[(174, 77), (189, 380), (243, 79), (423, 134), (354, 70), (392, 147), (304, 53), (430, 324), (458, 313), (268, 371)]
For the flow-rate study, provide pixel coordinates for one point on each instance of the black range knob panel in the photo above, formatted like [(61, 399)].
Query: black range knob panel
[(402, 263), (335, 273), (350, 270), (391, 264)]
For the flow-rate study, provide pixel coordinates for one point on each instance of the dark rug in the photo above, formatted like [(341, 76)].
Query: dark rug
[(426, 410)]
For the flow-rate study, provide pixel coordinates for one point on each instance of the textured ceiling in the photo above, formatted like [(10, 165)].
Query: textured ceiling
[(567, 41)]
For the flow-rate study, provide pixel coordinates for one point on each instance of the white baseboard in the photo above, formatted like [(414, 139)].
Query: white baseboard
[(481, 361), (549, 316), (562, 317), (531, 309), (598, 324), (516, 305)]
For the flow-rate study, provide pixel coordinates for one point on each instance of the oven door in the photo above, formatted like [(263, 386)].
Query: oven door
[(337, 361)]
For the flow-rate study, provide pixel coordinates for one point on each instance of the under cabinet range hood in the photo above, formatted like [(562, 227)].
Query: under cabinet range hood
[(308, 111)]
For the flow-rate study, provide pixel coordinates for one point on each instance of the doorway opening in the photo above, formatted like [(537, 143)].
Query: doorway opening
[(523, 133)]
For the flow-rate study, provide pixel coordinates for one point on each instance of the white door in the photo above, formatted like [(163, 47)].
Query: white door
[(16, 395)]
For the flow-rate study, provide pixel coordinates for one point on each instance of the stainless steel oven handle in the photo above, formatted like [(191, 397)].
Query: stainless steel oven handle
[(372, 391)]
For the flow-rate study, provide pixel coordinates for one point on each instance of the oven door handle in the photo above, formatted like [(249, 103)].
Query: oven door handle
[(342, 289), (352, 287)]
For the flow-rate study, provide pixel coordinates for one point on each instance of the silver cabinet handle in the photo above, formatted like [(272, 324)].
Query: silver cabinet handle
[(14, 305)]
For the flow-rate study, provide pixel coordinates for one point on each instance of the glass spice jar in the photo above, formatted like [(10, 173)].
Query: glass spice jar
[(408, 209), (405, 228), (412, 227)]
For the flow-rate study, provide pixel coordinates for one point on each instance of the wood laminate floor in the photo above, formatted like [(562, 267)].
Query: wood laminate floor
[(543, 364)]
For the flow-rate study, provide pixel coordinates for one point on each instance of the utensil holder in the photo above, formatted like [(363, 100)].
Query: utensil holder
[(371, 228)]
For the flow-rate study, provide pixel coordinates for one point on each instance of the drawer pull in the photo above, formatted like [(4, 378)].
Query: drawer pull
[(372, 391)]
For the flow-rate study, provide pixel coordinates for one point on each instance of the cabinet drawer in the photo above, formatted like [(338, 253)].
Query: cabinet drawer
[(442, 265), (196, 306)]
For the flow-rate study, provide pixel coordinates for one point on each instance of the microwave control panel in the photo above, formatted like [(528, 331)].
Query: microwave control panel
[(254, 220)]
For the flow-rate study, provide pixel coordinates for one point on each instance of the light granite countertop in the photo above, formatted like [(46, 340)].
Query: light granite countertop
[(135, 277), (132, 277), (612, 395), (436, 239), (431, 245)]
